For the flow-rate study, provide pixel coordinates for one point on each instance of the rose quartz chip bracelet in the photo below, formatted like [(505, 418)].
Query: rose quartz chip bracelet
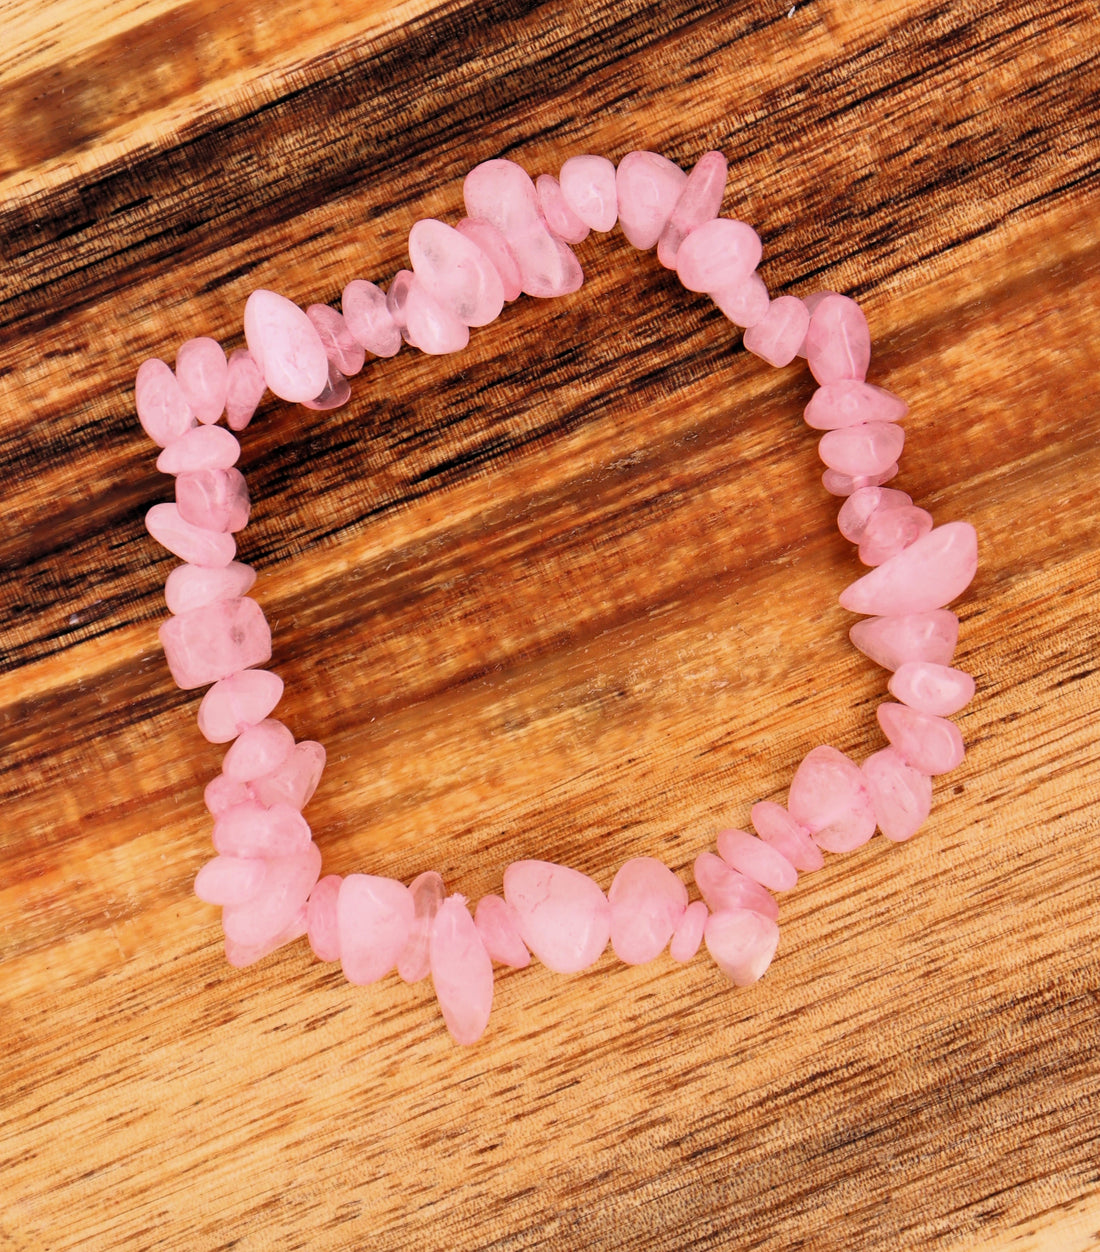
[(516, 238)]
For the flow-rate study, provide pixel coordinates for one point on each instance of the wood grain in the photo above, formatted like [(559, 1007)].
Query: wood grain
[(571, 594)]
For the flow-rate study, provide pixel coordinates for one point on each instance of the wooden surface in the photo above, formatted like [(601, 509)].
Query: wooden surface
[(571, 594)]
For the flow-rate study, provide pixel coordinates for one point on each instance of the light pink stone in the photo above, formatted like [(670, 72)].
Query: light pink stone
[(258, 750), (431, 327), (215, 641), (700, 199), (462, 972), (201, 371), (647, 901), (890, 531), (839, 484), (321, 924), (190, 587), (927, 575), (334, 395), (427, 892), (374, 917), (244, 388), (689, 932), (775, 338), (202, 447), (776, 826), (280, 904), (498, 924), (864, 450), (233, 704), (891, 641), (215, 499), (294, 779), (856, 511), (556, 213), (250, 830), (564, 917), (849, 403), (756, 860), (367, 316), (901, 795), (221, 794), (194, 544), (647, 186), (588, 185), (828, 797), (164, 411), (229, 879), (241, 954), (745, 303), (930, 688), (838, 342), (725, 888), (742, 944), (718, 255), (811, 302), (456, 272), (930, 744), (285, 345), (398, 296), (343, 350), (496, 248)]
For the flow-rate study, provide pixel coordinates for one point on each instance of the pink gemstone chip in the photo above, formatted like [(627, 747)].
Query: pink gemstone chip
[(756, 860), (285, 345), (742, 944), (194, 544), (241, 954), (215, 641), (215, 499), (849, 403), (689, 933), (462, 971), (194, 586), (890, 531), (244, 388), (334, 395), (556, 213), (229, 879), (374, 918), (222, 794), (647, 187), (430, 326), (235, 703), (718, 255), (202, 447), (839, 484), (891, 641), (343, 350), (258, 750), (699, 201), (930, 744), (930, 688), (861, 505), (828, 797), (367, 317), (294, 779), (929, 574), (456, 273), (838, 342), (724, 888), (588, 185), (564, 917), (202, 373), (321, 924), (498, 924), (496, 248), (162, 407), (775, 338), (776, 826), (249, 829), (279, 906), (427, 893), (745, 303), (866, 450), (901, 795), (647, 901)]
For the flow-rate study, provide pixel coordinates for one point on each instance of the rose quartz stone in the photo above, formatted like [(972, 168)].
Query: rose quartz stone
[(496, 248), (249, 829), (725, 888), (202, 447), (862, 450), (235, 703), (857, 510), (429, 326), (194, 586), (229, 879), (756, 860), (215, 641), (498, 924), (267, 916), (890, 531), (742, 944), (588, 185), (718, 255), (775, 338), (699, 201), (343, 350), (427, 893), (647, 186), (374, 917), (367, 316), (462, 972), (398, 296), (901, 795), (321, 925), (221, 794), (334, 395), (927, 575), (556, 213), (930, 688), (241, 954), (285, 345), (215, 499), (850, 403), (811, 302), (838, 342), (776, 826), (564, 917), (201, 371), (745, 303), (689, 932), (839, 484), (294, 779), (194, 544), (647, 901), (891, 641), (244, 388), (455, 273), (930, 744), (164, 411), (258, 750), (829, 798)]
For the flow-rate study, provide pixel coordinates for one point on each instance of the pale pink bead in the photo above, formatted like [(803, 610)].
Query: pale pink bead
[(838, 342), (233, 704), (928, 743), (927, 575), (725, 888), (496, 248), (839, 484), (215, 641), (564, 917), (588, 185), (244, 388), (901, 795), (815, 298), (215, 499), (241, 954), (866, 450), (202, 373), (828, 797), (194, 544), (462, 972), (249, 829), (775, 338), (164, 411), (776, 826), (849, 403), (931, 688), (202, 447), (891, 641), (427, 892), (547, 266), (321, 925), (374, 917), (229, 879), (398, 296), (556, 213), (498, 924), (700, 199), (258, 750), (718, 255), (431, 327), (343, 350), (756, 860), (222, 794), (856, 511), (334, 395), (647, 901), (689, 932), (368, 318), (890, 531), (742, 944), (270, 913), (745, 303), (647, 186), (285, 345), (294, 779), (456, 272), (194, 586)]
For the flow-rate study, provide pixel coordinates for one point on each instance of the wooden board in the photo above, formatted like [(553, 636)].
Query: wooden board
[(571, 594)]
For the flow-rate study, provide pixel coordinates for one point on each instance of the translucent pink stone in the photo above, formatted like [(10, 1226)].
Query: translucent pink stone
[(321, 924), (931, 688), (194, 586), (202, 373), (194, 544), (742, 944), (215, 641), (856, 511), (223, 793), (588, 185), (269, 914), (647, 901), (725, 888), (647, 186), (745, 303), (235, 703), (462, 972), (564, 917), (689, 932), (901, 795), (891, 641), (249, 829), (496, 248), (229, 879), (828, 797), (397, 297), (374, 917), (427, 892), (164, 411), (244, 388), (241, 954), (258, 750), (456, 273), (849, 403), (334, 395), (556, 213), (930, 744), (285, 345), (429, 326), (838, 342), (890, 531), (294, 779), (775, 338), (215, 499), (839, 484), (718, 255), (202, 447), (862, 450), (927, 575), (700, 199), (756, 860), (498, 924), (343, 350), (776, 826), (367, 316)]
